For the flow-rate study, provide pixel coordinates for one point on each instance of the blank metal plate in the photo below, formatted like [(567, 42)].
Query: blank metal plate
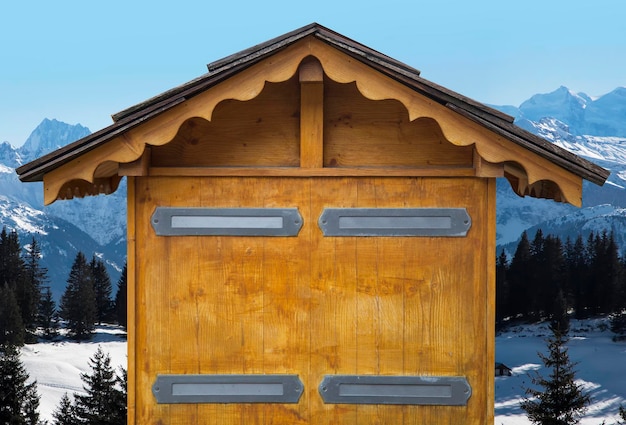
[(451, 222), (168, 221), (420, 390), (227, 389)]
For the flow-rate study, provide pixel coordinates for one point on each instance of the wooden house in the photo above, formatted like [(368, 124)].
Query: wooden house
[(503, 370), (311, 237)]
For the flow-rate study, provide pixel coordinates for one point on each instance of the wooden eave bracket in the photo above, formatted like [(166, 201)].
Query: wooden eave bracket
[(136, 168), (81, 188), (485, 168), (313, 59)]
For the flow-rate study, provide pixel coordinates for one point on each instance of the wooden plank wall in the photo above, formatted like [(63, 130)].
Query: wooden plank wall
[(312, 305)]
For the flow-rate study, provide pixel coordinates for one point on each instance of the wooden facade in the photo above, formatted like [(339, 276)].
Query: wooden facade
[(311, 121)]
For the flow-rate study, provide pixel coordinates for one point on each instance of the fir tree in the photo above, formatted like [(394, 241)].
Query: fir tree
[(121, 307), (35, 276), (551, 278), (11, 264), (561, 401), (610, 266), (105, 399), (12, 272), (503, 309), (577, 272), (559, 321), (78, 305), (47, 318), (102, 290), (19, 401), (520, 278), (11, 326), (65, 413), (618, 325)]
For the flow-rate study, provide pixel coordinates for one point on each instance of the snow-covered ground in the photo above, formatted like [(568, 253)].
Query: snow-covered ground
[(601, 370), (57, 365)]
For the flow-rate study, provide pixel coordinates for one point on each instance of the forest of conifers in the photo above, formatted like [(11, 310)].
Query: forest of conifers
[(586, 277), (26, 302)]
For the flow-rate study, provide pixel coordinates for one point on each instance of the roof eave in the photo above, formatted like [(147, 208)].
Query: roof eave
[(496, 121)]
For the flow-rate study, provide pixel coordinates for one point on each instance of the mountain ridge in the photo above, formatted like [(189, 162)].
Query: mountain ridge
[(604, 116), (93, 226)]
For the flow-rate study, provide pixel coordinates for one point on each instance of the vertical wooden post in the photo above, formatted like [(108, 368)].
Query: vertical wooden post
[(490, 330), (311, 113), (131, 287)]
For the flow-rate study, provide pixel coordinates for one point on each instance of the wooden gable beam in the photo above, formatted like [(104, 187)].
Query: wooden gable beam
[(311, 113)]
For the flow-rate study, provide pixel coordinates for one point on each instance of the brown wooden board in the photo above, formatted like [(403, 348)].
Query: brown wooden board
[(312, 305)]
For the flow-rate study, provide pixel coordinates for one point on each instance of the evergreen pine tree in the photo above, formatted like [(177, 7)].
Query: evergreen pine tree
[(11, 326), (560, 319), (120, 403), (78, 303), (560, 401), (121, 307), (519, 277), (552, 277), (12, 271), (620, 301), (502, 287), (102, 290), (19, 401), (35, 277), (618, 325), (609, 267), (11, 264), (47, 318), (578, 271), (65, 413), (102, 404), (595, 284)]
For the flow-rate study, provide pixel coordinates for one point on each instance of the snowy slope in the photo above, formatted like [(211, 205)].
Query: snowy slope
[(601, 369), (56, 366)]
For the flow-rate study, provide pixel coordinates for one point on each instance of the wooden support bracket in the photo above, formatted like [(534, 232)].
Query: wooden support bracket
[(485, 168), (138, 167)]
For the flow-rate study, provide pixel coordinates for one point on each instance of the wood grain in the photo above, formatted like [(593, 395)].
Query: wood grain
[(313, 305)]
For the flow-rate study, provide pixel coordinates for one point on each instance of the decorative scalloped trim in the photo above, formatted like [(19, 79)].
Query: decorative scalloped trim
[(342, 69)]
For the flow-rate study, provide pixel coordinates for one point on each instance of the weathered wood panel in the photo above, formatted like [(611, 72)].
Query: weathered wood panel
[(363, 132), (312, 305), (262, 131), (266, 131)]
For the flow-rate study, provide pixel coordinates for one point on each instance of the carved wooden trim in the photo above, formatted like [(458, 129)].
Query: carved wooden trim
[(341, 68)]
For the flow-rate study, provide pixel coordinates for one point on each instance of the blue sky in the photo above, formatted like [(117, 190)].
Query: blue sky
[(81, 61)]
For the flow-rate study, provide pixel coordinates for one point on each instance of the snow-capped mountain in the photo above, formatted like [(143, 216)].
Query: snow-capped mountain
[(603, 116), (592, 128), (51, 135), (95, 226), (568, 119)]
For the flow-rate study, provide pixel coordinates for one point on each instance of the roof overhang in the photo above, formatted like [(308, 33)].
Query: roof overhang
[(96, 163)]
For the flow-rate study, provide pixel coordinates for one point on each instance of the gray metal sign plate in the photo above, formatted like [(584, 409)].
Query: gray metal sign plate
[(168, 221), (420, 390), (451, 222), (227, 389)]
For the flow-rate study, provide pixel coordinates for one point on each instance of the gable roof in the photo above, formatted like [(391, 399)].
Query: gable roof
[(495, 121)]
